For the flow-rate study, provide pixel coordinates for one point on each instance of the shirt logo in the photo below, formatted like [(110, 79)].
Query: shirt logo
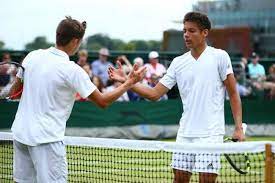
[(210, 166)]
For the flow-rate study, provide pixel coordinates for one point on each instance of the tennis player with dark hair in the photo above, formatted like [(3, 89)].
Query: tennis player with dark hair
[(202, 75), (50, 82)]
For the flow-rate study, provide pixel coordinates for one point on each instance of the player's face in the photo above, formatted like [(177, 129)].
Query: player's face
[(193, 35)]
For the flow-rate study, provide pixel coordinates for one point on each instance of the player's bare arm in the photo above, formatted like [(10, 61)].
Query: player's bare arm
[(236, 106), (105, 99), (147, 92), (153, 94)]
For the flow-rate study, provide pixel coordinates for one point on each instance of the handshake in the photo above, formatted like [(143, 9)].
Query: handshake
[(136, 75)]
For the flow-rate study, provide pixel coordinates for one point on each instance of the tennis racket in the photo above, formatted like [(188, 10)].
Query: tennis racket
[(8, 71), (239, 162)]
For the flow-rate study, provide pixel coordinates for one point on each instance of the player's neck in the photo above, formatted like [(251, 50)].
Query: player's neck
[(63, 48), (196, 52)]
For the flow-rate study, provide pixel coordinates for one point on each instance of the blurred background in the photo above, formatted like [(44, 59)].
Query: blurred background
[(147, 33)]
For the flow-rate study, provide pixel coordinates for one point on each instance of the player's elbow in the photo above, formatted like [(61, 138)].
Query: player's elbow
[(99, 99), (154, 97), (103, 104)]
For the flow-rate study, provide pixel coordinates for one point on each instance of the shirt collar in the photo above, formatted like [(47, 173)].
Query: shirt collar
[(59, 52)]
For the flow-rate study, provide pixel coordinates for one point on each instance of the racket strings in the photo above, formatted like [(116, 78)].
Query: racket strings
[(9, 71)]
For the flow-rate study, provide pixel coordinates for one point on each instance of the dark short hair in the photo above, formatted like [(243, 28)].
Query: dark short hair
[(199, 18), (68, 29)]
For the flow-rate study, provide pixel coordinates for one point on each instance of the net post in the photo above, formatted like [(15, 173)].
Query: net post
[(268, 163)]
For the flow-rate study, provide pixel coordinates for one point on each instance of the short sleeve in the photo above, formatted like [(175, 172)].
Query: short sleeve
[(81, 82), (169, 79), (224, 66)]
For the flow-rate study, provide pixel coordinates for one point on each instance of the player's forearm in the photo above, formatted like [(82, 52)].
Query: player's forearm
[(236, 107), (112, 96), (145, 92)]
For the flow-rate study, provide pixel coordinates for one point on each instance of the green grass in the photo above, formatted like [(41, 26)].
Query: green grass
[(261, 138)]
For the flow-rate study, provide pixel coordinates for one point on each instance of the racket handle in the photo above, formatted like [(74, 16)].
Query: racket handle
[(244, 127)]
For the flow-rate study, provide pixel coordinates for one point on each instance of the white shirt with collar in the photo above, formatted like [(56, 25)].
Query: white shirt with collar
[(51, 81), (200, 84)]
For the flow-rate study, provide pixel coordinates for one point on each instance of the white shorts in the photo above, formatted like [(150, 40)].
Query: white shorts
[(192, 162), (43, 163)]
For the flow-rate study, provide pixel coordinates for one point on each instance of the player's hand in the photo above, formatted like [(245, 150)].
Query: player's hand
[(117, 74), (136, 75), (239, 134)]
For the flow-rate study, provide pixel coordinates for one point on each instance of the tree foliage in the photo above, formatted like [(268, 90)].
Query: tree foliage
[(39, 42), (98, 41), (2, 44)]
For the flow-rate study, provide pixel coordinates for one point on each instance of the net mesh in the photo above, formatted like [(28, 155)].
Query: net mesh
[(112, 160)]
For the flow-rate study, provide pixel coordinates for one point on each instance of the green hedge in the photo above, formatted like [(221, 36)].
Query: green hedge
[(85, 114)]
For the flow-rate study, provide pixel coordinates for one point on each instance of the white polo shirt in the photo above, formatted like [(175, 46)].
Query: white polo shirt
[(51, 81), (200, 84)]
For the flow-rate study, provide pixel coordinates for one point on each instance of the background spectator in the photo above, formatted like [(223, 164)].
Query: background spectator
[(126, 65), (82, 58), (132, 95), (5, 70), (154, 67), (87, 68), (97, 81), (100, 66), (271, 74), (268, 85), (256, 70), (244, 66), (139, 61), (111, 86)]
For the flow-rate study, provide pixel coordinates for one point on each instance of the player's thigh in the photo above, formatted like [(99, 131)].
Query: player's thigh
[(208, 162), (207, 177), (50, 162), (23, 169), (183, 161), (181, 176)]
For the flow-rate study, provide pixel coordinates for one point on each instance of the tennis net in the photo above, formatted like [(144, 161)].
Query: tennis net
[(117, 160)]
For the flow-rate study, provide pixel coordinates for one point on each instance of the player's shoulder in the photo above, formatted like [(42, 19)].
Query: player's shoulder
[(72, 65), (70, 68), (35, 53), (31, 56), (217, 52), (181, 58)]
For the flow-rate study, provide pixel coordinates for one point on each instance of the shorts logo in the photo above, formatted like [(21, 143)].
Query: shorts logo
[(210, 166)]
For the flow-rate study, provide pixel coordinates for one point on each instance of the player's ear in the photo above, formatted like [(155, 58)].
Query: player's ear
[(76, 40), (205, 32)]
